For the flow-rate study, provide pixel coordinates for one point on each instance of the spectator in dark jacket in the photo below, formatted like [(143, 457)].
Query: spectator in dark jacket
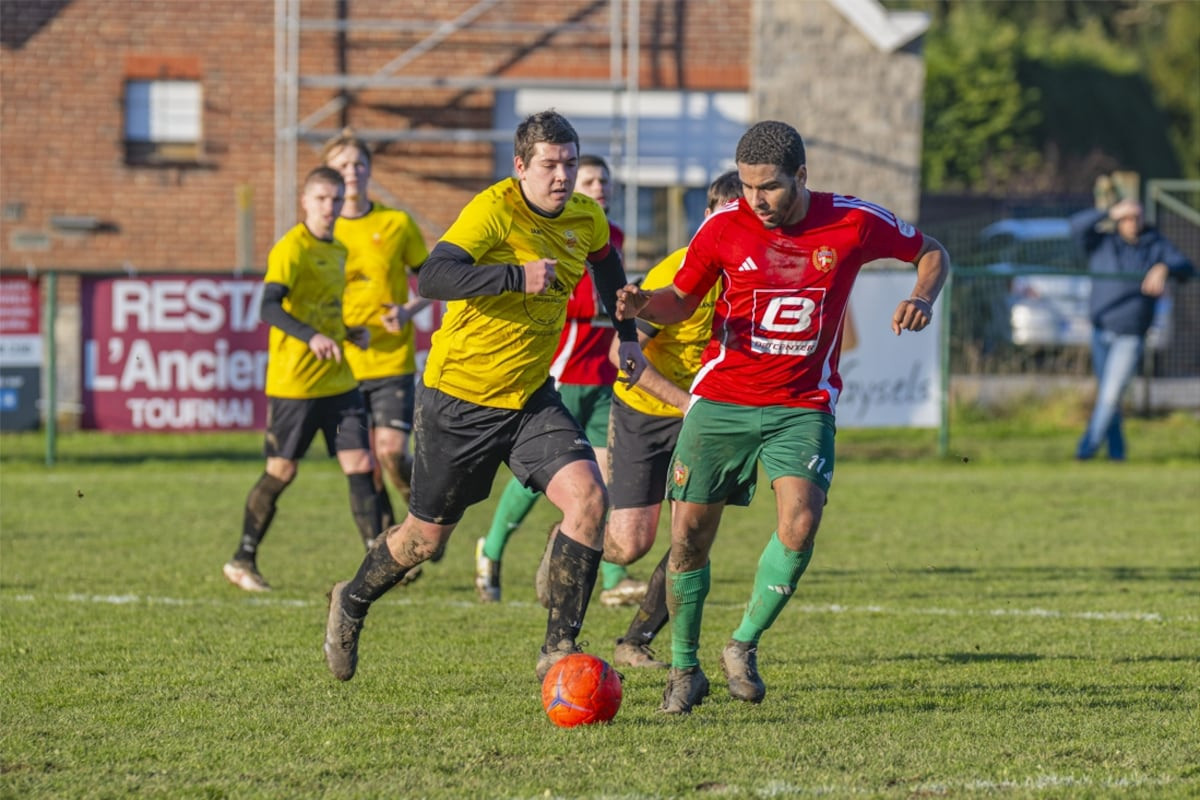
[(1121, 308)]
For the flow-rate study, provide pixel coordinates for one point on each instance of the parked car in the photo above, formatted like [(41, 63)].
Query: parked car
[(1049, 289)]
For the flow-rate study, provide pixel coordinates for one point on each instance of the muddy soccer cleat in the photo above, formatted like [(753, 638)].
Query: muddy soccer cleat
[(341, 635), (629, 592), (487, 575), (547, 658), (245, 576), (686, 688), (632, 654), (739, 662)]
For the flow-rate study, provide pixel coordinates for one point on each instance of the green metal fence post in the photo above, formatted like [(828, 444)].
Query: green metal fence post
[(50, 406)]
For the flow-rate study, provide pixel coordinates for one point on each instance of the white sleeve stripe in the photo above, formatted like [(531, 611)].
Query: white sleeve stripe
[(870, 208)]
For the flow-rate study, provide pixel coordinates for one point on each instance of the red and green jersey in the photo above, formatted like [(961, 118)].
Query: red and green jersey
[(384, 245), (312, 270), (777, 323)]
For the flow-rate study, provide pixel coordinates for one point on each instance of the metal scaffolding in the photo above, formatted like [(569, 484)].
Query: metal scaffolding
[(290, 130)]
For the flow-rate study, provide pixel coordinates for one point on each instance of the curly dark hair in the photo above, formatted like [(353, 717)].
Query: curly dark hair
[(772, 142), (545, 126)]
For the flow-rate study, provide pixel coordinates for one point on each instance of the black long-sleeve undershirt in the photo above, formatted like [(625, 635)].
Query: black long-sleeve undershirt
[(271, 312), (451, 274)]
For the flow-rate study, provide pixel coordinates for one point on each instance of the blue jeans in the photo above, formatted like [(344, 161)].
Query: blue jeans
[(1115, 357)]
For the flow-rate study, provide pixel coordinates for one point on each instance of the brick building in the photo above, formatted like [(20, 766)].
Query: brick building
[(165, 135)]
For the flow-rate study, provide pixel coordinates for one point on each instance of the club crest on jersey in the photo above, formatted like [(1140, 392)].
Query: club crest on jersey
[(824, 258), (569, 240), (679, 474)]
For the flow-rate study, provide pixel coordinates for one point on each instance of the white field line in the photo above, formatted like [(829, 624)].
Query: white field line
[(951, 788), (832, 608)]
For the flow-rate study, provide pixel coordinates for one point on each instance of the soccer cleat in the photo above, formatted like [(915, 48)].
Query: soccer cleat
[(245, 576), (739, 662), (487, 575), (686, 688), (541, 581), (341, 635), (629, 592), (632, 654), (548, 658)]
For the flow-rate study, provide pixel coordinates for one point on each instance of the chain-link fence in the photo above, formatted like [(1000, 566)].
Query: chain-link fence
[(1019, 294)]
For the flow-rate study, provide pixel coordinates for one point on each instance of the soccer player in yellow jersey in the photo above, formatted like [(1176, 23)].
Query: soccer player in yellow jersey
[(385, 244), (643, 426), (310, 386), (507, 267)]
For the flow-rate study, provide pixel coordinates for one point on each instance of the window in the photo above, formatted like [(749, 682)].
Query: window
[(164, 107)]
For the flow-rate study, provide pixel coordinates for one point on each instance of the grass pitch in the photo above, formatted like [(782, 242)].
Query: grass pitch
[(1004, 622)]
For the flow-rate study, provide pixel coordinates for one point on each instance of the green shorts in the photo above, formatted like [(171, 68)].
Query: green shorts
[(589, 405), (720, 445)]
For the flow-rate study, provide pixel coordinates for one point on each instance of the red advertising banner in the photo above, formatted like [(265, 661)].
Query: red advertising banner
[(173, 353), (182, 352)]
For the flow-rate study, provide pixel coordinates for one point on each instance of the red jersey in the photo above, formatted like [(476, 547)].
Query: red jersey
[(778, 322), (582, 355)]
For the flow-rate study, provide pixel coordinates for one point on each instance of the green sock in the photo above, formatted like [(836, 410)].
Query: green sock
[(515, 503), (779, 570), (611, 574), (685, 600)]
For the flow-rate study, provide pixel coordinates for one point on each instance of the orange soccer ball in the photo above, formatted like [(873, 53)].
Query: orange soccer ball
[(581, 690)]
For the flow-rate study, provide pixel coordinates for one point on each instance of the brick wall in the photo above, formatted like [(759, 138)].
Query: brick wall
[(63, 67)]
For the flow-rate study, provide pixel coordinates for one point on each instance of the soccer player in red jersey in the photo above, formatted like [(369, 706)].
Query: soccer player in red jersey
[(786, 258)]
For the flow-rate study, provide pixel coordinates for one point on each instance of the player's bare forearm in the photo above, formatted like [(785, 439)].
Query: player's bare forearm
[(656, 384), (662, 306), (933, 267)]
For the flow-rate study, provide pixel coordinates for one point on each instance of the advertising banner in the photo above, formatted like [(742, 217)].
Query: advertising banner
[(888, 380), (181, 352), (20, 353)]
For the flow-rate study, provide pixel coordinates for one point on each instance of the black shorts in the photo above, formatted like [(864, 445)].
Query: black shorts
[(292, 424), (639, 455), (389, 401), (459, 445)]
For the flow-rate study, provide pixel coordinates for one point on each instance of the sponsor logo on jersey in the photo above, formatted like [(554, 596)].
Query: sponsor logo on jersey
[(748, 265), (824, 258)]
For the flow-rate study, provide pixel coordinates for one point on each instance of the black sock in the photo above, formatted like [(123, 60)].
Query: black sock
[(364, 505), (653, 615), (260, 510), (377, 573), (571, 578), (387, 517)]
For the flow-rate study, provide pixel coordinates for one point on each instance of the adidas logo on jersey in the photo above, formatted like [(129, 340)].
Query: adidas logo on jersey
[(748, 265)]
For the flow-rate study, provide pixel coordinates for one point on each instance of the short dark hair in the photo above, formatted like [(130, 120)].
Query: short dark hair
[(589, 160), (323, 174), (772, 142), (726, 187), (545, 126)]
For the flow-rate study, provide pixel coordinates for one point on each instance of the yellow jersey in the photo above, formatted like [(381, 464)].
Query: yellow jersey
[(496, 350), (384, 245), (676, 350), (312, 269)]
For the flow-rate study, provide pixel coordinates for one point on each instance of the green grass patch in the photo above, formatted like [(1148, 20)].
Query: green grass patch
[(1002, 622)]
